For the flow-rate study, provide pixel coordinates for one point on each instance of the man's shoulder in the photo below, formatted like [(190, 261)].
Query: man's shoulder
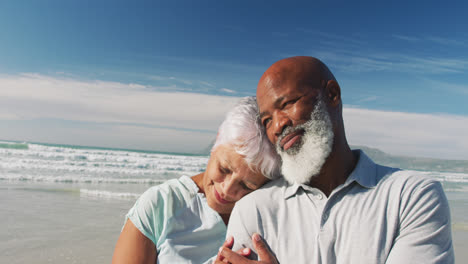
[(392, 176), (406, 180), (271, 191)]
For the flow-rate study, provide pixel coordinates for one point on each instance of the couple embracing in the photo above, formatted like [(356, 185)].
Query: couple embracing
[(309, 198)]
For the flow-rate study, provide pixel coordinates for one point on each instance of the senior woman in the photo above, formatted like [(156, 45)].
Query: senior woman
[(184, 220)]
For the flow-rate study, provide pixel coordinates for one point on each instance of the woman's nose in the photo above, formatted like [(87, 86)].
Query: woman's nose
[(229, 189)]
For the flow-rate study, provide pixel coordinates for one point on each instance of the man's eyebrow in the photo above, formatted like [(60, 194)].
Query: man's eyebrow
[(276, 104)]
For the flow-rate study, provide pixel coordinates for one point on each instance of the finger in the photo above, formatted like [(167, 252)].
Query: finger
[(232, 256), (244, 252), (263, 252), (229, 242), (219, 257)]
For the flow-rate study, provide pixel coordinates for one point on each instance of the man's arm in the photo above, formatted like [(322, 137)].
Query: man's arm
[(425, 234), (242, 224)]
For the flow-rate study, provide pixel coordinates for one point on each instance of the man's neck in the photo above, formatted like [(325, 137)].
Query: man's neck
[(336, 169)]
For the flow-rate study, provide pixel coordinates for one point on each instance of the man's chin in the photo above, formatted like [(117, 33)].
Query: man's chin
[(293, 150)]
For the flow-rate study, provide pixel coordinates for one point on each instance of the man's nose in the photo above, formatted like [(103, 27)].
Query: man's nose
[(280, 123)]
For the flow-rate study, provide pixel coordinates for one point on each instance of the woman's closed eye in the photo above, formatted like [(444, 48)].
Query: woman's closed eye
[(224, 170), (247, 188)]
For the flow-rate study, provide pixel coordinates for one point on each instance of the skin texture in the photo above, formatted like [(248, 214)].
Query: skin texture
[(286, 95), (134, 247), (227, 174), (226, 255)]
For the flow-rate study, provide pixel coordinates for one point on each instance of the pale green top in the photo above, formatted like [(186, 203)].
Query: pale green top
[(379, 215), (177, 218)]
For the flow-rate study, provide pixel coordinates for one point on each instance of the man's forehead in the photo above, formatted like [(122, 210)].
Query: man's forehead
[(267, 94)]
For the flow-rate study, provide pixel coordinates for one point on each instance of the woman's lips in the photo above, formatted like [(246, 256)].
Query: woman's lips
[(289, 140), (218, 197)]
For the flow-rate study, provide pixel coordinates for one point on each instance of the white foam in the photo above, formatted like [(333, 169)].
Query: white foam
[(78, 179), (446, 176), (62, 164), (108, 194)]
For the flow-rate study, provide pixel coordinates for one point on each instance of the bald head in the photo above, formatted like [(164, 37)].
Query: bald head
[(289, 90), (308, 71)]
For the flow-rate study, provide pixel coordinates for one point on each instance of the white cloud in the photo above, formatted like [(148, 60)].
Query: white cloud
[(356, 61), (407, 38), (33, 96), (228, 90), (427, 135), (136, 116), (447, 41)]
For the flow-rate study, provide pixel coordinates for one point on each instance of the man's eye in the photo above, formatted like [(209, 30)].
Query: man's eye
[(291, 101), (266, 121)]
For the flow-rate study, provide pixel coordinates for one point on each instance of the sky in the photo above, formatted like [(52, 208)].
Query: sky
[(160, 75)]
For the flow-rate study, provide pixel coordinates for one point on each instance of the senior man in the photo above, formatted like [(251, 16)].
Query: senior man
[(334, 205)]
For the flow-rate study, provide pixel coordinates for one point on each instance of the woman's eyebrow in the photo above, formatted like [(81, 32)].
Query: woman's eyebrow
[(252, 184)]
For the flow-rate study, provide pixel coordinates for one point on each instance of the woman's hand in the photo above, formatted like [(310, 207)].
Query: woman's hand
[(226, 255)]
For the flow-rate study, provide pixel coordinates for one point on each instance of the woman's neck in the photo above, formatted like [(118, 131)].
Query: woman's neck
[(198, 179), (225, 218)]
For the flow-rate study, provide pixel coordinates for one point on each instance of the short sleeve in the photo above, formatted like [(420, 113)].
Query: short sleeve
[(425, 227), (148, 214)]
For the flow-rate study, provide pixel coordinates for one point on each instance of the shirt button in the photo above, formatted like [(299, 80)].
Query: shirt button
[(320, 196), (325, 217)]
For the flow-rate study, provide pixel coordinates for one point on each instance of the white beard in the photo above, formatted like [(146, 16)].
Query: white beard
[(305, 159)]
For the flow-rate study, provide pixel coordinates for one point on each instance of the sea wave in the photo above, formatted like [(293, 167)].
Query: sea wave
[(36, 162), (66, 164), (107, 194), (81, 179), (450, 177), (13, 145)]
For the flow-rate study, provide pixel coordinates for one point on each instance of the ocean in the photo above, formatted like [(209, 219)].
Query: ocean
[(66, 204)]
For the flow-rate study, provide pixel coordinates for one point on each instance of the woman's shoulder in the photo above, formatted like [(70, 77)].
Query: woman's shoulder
[(178, 191), (154, 209)]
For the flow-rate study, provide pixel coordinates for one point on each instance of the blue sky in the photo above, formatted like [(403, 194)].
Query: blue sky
[(160, 75)]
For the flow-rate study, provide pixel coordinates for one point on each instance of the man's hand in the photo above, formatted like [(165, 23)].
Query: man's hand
[(228, 245), (226, 255)]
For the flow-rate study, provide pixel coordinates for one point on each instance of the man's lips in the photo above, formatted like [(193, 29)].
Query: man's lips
[(291, 139), (218, 197)]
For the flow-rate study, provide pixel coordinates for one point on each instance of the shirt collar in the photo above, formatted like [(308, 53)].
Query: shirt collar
[(291, 189), (364, 174)]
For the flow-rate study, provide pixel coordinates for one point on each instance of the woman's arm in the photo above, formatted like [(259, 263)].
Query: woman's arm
[(134, 247)]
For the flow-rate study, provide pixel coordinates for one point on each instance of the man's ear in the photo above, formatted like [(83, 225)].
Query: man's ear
[(333, 93)]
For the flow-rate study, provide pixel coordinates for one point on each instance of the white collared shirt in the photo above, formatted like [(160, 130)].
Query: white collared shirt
[(379, 215)]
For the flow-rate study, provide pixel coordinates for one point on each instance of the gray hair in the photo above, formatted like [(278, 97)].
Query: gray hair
[(242, 128)]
